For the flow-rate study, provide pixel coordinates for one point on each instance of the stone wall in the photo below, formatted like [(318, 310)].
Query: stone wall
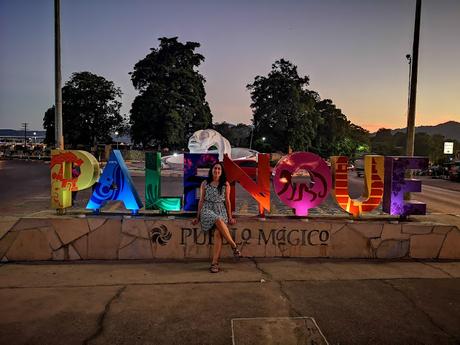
[(113, 238)]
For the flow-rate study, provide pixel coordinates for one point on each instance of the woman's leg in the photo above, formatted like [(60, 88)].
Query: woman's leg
[(223, 229), (217, 247)]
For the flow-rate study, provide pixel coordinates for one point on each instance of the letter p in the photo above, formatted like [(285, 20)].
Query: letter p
[(71, 170)]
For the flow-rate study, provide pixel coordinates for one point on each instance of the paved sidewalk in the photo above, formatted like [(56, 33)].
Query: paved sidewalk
[(352, 302)]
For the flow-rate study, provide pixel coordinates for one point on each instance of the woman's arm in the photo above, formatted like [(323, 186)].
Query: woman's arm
[(228, 205), (200, 204)]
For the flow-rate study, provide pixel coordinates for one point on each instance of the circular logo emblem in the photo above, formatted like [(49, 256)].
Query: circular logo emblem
[(160, 235)]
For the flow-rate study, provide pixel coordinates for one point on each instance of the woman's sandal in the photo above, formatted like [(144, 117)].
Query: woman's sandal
[(214, 268), (236, 253)]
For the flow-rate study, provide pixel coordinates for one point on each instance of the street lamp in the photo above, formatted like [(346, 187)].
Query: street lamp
[(252, 132), (35, 138), (116, 134), (263, 138), (409, 61)]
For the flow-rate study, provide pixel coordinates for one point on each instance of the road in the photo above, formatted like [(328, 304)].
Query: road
[(25, 190)]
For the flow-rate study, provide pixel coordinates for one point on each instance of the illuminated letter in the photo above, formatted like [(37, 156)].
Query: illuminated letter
[(396, 185), (62, 181), (373, 184), (298, 195), (193, 161), (153, 199), (259, 191), (115, 184)]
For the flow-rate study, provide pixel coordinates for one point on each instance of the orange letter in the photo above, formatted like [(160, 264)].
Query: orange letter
[(259, 191), (373, 184)]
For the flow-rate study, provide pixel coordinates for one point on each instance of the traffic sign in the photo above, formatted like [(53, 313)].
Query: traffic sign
[(448, 147)]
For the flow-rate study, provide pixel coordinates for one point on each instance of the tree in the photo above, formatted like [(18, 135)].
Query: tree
[(171, 104), (48, 125), (357, 141), (283, 109), (382, 143), (422, 144), (91, 111), (238, 135), (332, 129), (437, 149)]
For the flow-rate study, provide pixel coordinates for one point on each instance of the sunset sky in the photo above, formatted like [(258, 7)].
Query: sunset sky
[(353, 52)]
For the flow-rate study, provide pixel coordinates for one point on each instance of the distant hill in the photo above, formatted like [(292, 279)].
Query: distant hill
[(19, 133), (450, 130)]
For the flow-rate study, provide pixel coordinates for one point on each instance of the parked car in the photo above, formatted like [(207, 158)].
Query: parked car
[(359, 167), (454, 171)]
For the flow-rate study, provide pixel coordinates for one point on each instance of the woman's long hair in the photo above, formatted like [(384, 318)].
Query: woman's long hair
[(222, 178)]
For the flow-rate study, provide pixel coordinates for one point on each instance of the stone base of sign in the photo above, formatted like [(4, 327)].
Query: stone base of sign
[(118, 238)]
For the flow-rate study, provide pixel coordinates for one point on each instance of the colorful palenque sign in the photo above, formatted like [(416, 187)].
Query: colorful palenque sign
[(396, 185), (373, 184), (115, 183), (296, 194), (193, 161), (260, 191), (153, 198), (64, 180)]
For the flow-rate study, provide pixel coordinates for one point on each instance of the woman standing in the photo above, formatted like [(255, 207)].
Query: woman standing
[(214, 211)]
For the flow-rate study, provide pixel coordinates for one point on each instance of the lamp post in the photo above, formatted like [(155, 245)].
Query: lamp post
[(35, 138), (413, 83), (409, 61), (263, 138), (116, 134)]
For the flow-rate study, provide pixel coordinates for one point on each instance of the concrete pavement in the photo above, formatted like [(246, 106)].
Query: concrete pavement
[(352, 302)]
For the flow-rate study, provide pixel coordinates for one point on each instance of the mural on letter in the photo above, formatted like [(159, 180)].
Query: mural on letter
[(373, 184), (396, 185), (71, 171), (115, 184), (260, 191), (193, 161), (296, 194)]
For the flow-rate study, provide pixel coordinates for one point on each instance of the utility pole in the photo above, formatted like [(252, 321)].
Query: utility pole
[(413, 83), (59, 138), (24, 125)]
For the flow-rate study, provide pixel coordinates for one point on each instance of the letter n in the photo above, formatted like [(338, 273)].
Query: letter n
[(260, 191)]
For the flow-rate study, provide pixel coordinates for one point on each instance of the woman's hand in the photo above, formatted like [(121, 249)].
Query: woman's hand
[(231, 221), (195, 221)]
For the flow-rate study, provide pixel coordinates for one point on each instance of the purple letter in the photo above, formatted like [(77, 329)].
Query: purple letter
[(396, 185), (193, 161)]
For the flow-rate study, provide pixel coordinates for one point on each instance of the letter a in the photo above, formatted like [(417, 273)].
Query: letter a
[(115, 184)]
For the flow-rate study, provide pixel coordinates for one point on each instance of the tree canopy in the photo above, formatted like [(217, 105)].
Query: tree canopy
[(283, 109), (90, 111), (386, 143), (171, 104), (290, 116), (238, 135)]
